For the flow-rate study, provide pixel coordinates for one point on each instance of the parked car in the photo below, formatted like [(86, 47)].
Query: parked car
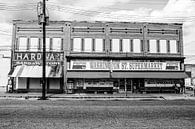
[(190, 87)]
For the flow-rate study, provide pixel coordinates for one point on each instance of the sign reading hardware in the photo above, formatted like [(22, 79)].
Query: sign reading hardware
[(122, 65), (35, 58)]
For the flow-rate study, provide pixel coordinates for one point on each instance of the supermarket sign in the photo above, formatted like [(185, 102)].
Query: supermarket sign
[(123, 65)]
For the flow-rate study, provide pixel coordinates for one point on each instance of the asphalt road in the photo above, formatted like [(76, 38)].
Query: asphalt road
[(37, 114)]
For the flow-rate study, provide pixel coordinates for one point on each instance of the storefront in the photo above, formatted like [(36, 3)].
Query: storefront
[(98, 56), (135, 76), (27, 73)]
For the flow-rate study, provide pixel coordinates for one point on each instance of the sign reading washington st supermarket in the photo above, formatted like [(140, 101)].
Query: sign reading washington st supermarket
[(122, 65)]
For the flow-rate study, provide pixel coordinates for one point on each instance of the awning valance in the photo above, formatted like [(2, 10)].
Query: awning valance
[(36, 71), (88, 75), (155, 74), (165, 75)]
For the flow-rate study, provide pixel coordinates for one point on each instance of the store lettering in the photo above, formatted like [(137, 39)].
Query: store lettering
[(38, 56), (122, 65), (99, 65)]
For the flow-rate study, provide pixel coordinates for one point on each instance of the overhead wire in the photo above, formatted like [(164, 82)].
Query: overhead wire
[(107, 14), (88, 13)]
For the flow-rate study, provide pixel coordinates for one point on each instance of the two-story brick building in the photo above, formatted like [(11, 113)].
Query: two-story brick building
[(99, 56)]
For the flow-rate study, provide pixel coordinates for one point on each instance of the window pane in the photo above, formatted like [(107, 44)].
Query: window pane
[(153, 46), (126, 45), (47, 45), (98, 45), (173, 46), (57, 44), (163, 46), (88, 45), (136, 45), (34, 44), (23, 43), (77, 44), (115, 45)]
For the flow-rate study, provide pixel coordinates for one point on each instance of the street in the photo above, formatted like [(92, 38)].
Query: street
[(80, 114)]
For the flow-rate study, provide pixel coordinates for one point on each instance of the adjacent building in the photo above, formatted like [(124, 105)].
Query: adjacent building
[(98, 56), (190, 69)]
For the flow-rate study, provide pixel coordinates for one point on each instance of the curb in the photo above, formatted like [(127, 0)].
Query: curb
[(84, 97)]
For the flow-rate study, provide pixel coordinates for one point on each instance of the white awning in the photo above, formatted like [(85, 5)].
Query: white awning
[(36, 71)]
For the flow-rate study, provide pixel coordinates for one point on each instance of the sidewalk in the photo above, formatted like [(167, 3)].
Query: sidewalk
[(83, 96)]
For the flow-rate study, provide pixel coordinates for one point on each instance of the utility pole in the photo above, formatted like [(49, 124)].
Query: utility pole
[(43, 19), (44, 55)]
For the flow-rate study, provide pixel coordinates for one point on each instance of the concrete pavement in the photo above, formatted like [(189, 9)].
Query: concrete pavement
[(83, 96)]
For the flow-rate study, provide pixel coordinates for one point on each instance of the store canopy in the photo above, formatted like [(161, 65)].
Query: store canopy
[(164, 74), (36, 71), (157, 74), (84, 74)]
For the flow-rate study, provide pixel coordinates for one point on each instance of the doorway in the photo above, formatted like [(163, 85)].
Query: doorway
[(137, 85)]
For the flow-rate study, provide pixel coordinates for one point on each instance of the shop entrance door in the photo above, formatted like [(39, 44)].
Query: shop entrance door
[(137, 85), (125, 84)]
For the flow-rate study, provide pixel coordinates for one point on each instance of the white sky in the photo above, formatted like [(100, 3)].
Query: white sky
[(172, 11)]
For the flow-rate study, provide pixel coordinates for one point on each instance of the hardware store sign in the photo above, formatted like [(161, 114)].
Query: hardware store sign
[(35, 58), (122, 65)]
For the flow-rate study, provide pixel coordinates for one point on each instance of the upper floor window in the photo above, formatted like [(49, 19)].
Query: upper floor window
[(173, 46), (126, 47), (47, 44), (153, 46), (22, 43), (163, 46), (136, 45), (76, 44), (34, 44), (99, 45), (88, 45), (57, 44), (115, 45)]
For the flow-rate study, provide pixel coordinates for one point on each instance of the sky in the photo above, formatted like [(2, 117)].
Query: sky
[(164, 11)]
